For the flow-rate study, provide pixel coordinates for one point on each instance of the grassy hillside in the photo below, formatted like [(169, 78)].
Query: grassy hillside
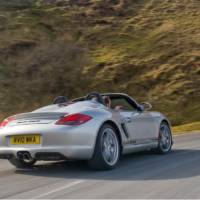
[(195, 126), (149, 49)]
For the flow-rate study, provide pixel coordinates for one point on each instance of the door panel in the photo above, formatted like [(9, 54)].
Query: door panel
[(144, 127), (141, 126)]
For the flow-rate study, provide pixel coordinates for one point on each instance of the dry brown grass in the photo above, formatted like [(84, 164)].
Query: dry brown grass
[(191, 127), (147, 48)]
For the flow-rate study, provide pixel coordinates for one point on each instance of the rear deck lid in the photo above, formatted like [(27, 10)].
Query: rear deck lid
[(35, 118)]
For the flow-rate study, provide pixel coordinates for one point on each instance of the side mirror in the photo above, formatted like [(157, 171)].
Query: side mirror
[(60, 99), (145, 106)]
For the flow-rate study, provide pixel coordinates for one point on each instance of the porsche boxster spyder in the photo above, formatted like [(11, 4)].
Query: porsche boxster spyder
[(99, 128)]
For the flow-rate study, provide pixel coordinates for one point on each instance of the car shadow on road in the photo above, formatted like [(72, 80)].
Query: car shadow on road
[(180, 163)]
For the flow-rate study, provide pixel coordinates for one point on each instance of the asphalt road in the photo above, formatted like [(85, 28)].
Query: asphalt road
[(142, 175)]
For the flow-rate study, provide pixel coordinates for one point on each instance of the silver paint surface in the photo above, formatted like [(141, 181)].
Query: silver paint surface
[(78, 142)]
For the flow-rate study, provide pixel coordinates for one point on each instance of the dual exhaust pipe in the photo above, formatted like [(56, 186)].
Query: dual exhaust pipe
[(24, 156)]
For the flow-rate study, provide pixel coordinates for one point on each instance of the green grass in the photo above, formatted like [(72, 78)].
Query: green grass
[(195, 126), (146, 48)]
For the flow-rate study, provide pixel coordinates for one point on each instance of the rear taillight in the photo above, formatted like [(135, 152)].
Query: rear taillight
[(6, 121), (74, 119)]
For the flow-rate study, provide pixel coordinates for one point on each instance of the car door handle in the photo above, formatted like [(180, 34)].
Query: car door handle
[(128, 120)]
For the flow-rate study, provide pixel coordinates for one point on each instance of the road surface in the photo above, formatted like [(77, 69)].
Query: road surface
[(142, 175)]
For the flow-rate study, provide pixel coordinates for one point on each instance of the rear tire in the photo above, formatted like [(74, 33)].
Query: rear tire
[(20, 164), (107, 149), (165, 139)]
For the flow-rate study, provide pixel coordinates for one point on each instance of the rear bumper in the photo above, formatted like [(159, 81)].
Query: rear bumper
[(70, 142), (49, 153)]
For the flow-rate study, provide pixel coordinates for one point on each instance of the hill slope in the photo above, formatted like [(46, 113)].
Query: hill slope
[(149, 49)]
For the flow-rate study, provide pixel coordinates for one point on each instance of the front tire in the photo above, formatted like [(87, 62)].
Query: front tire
[(21, 164), (107, 149), (165, 139)]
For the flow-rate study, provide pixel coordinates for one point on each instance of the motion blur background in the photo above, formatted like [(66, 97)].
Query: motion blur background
[(149, 49)]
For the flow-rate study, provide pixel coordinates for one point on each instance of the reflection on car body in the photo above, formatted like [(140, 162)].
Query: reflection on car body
[(98, 128)]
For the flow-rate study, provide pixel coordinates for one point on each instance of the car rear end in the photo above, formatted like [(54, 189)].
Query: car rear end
[(48, 136)]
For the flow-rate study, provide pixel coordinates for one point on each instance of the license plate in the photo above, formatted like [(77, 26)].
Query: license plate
[(24, 139)]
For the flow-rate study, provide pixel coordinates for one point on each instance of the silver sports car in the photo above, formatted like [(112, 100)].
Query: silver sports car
[(98, 128)]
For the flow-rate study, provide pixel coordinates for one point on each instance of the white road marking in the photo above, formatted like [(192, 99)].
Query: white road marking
[(59, 189)]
